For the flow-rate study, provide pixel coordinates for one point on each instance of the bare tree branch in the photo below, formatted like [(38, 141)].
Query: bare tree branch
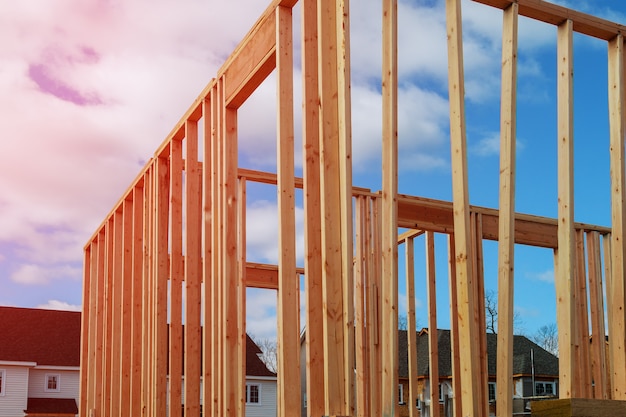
[(269, 355)]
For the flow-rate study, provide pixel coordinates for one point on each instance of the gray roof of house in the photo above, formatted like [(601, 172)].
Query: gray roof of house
[(546, 364)]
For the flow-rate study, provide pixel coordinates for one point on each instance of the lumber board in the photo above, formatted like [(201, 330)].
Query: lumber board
[(234, 393), (411, 337), (375, 297), (176, 272), (455, 355), (582, 332), (146, 288), (288, 309), (555, 14), (389, 247), (596, 304), (116, 307), (578, 407), (566, 319), (241, 288), (207, 260), (85, 332), (616, 290), (331, 206), (216, 244), (104, 320), (137, 300), (469, 359), (506, 218), (361, 308), (479, 322), (428, 214), (160, 300), (192, 271), (345, 172), (433, 337), (126, 288), (253, 61)]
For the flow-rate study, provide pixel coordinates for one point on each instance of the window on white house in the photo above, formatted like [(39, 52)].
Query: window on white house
[(418, 404), (400, 394), (53, 382), (253, 394), (2, 381), (440, 393), (544, 388), (492, 391)]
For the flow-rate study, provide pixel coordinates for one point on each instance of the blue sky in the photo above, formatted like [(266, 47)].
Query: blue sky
[(95, 89)]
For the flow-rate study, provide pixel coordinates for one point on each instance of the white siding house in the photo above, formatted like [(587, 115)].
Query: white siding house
[(39, 362), (14, 384), (260, 396)]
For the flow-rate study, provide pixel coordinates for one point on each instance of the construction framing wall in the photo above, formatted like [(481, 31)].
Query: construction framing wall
[(178, 233)]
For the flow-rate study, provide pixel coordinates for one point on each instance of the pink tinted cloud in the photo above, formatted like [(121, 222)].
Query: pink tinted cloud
[(48, 74), (89, 90)]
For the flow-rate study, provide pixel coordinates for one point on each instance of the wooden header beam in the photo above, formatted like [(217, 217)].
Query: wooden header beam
[(427, 214), (555, 15)]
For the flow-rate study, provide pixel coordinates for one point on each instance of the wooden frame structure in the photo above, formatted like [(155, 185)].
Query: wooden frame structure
[(178, 233)]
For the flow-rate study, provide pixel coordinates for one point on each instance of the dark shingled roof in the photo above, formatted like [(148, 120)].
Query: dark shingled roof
[(254, 365), (47, 337), (545, 363), (51, 406)]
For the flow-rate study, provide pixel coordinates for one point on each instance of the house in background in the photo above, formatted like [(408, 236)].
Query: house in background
[(40, 366), (531, 363), (260, 384), (39, 362)]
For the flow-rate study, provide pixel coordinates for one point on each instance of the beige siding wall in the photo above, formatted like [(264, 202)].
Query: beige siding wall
[(68, 384), (13, 402), (267, 408)]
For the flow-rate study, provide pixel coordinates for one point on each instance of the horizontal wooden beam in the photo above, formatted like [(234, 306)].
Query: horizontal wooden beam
[(555, 15), (434, 215), (271, 178)]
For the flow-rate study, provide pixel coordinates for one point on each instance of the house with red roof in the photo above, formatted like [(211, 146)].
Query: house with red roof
[(40, 366), (39, 362)]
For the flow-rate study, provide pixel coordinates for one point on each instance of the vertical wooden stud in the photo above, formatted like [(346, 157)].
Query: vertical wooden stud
[(469, 358), (411, 337), (374, 284), (85, 332), (506, 226), (596, 307), (192, 271), (389, 312), (207, 272), (137, 301), (288, 282), (241, 288), (583, 318), (565, 255), (361, 322), (233, 394), (345, 173), (315, 383), (176, 272), (454, 331), (126, 289), (335, 252), (105, 376), (160, 300), (617, 290), (433, 337)]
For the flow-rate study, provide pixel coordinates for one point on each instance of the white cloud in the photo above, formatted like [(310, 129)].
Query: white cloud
[(544, 276), (60, 305), (262, 232), (31, 274)]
